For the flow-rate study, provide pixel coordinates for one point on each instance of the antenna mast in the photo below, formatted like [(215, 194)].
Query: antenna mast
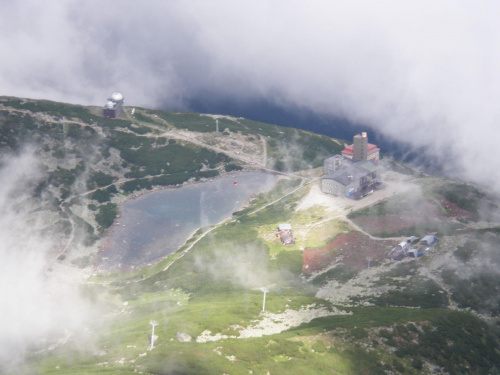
[(265, 290), (153, 324)]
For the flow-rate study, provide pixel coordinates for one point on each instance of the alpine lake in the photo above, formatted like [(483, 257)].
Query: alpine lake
[(156, 224)]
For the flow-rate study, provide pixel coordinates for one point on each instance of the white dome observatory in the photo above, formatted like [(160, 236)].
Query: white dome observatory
[(116, 97), (114, 106)]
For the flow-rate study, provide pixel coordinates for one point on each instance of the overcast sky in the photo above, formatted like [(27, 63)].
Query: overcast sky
[(424, 72)]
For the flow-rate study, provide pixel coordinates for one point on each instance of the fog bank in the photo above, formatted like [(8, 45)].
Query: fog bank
[(421, 72), (38, 306)]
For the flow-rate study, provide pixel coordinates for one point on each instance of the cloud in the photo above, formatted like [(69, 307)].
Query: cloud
[(36, 305), (242, 265), (421, 72)]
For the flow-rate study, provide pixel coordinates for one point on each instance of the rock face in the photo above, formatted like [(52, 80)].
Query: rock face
[(183, 337)]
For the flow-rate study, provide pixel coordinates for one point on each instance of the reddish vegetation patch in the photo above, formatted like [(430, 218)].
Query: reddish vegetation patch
[(455, 211), (351, 249), (389, 223), (421, 214)]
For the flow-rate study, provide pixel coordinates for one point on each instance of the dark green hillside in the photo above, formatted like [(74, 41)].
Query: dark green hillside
[(293, 149), (200, 123), (289, 149)]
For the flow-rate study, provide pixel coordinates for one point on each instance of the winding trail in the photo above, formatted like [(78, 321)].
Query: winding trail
[(359, 229), (231, 220)]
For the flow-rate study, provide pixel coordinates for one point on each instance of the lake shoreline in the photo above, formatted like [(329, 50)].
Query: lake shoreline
[(107, 242)]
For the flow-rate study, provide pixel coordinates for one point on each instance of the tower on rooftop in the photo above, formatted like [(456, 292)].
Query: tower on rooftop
[(360, 146), (361, 150)]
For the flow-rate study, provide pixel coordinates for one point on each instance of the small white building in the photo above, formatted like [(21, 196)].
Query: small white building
[(285, 234), (284, 227)]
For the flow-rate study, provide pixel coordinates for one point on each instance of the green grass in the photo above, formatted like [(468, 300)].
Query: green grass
[(320, 235), (301, 349), (142, 117)]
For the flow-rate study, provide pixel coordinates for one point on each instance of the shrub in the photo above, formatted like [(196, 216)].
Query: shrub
[(465, 252), (424, 294), (106, 215), (206, 174), (417, 364), (232, 167), (464, 196), (479, 291), (99, 179), (65, 177), (104, 195), (398, 365), (358, 333), (173, 179)]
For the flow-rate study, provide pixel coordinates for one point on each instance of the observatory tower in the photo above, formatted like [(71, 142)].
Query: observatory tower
[(361, 150), (114, 106)]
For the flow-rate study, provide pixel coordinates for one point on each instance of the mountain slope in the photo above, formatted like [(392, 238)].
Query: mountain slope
[(328, 309)]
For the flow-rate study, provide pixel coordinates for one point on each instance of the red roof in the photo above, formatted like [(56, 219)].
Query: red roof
[(349, 150)]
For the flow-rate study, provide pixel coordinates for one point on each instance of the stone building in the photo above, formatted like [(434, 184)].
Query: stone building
[(333, 163), (354, 173), (356, 179)]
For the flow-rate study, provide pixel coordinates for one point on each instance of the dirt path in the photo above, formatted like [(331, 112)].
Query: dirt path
[(185, 251), (231, 219), (302, 185), (70, 239), (359, 229), (264, 151), (339, 207), (172, 132)]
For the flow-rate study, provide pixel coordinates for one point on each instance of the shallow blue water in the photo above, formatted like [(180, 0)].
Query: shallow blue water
[(156, 224)]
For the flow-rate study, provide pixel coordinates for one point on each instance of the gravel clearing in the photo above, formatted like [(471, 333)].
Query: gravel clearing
[(359, 286), (316, 197), (271, 324)]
